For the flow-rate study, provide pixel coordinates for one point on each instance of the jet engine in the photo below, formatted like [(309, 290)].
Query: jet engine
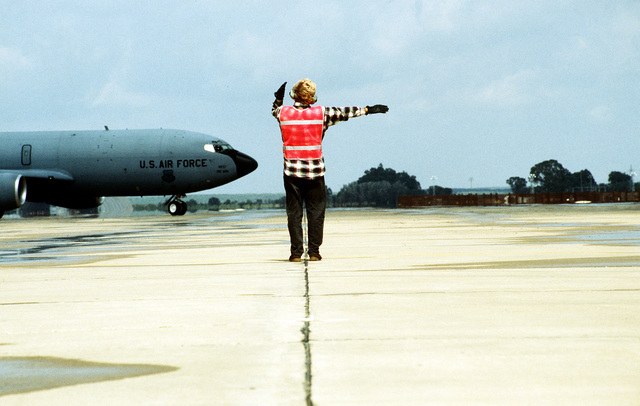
[(13, 191)]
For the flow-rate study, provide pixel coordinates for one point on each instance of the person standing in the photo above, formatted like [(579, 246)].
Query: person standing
[(303, 128)]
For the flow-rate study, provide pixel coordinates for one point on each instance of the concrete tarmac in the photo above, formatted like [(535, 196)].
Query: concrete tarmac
[(523, 305)]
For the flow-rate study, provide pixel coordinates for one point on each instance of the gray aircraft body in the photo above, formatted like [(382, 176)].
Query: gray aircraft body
[(77, 169)]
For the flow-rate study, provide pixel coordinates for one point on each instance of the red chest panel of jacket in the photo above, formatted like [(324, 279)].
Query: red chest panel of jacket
[(302, 132)]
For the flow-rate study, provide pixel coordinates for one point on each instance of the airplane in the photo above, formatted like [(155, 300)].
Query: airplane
[(78, 169)]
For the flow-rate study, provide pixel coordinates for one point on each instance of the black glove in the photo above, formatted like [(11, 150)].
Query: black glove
[(280, 93), (378, 108)]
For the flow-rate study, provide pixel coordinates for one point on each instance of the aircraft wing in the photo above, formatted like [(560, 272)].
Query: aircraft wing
[(49, 174)]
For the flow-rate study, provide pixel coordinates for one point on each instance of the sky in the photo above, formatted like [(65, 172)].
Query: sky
[(478, 91)]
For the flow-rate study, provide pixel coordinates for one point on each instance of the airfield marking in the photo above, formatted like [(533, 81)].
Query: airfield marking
[(306, 327)]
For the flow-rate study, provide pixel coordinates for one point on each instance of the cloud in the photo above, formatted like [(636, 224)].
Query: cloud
[(513, 90), (601, 113), (13, 58), (15, 68), (443, 16), (252, 52), (115, 94), (398, 25)]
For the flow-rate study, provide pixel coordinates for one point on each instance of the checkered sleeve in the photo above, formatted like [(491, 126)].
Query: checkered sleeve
[(333, 115), (277, 106)]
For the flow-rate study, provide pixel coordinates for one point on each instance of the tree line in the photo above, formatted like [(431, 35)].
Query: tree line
[(380, 187), (551, 177)]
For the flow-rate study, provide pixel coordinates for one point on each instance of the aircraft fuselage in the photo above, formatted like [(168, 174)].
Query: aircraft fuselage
[(61, 167)]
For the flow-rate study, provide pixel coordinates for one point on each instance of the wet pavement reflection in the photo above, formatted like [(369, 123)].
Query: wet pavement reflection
[(49, 249), (79, 247)]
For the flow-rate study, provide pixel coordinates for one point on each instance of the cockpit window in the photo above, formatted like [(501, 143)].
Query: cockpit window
[(217, 146)]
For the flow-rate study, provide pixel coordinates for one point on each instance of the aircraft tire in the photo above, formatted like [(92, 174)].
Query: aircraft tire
[(174, 208), (177, 208), (183, 209)]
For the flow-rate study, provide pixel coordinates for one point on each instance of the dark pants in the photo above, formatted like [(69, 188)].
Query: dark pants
[(313, 193)]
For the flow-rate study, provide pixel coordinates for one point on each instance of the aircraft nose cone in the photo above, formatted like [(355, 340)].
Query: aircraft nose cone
[(244, 163)]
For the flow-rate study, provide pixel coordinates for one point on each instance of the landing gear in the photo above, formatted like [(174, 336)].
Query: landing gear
[(176, 206)]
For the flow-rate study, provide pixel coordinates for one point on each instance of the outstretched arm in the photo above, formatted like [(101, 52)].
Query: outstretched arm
[(333, 115), (279, 95)]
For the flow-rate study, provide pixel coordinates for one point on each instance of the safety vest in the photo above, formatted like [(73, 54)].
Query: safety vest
[(302, 132)]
